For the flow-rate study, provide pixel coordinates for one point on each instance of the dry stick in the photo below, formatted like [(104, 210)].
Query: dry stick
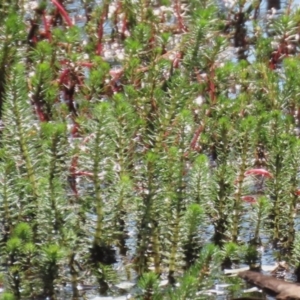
[(283, 289)]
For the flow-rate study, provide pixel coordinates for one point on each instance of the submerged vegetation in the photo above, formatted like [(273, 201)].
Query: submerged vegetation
[(159, 135)]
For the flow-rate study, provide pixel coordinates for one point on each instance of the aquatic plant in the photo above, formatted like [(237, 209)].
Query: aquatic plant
[(136, 133)]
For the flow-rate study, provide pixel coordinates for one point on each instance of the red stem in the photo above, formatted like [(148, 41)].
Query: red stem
[(63, 12), (86, 64), (40, 113), (196, 136), (100, 31), (63, 76), (73, 168), (181, 25), (84, 173), (47, 29)]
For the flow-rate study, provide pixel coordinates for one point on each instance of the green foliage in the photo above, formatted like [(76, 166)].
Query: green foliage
[(139, 136), (7, 296), (149, 284), (23, 232)]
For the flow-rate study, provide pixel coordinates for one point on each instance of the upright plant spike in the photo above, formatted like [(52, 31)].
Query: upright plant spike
[(231, 253), (126, 125), (9, 201), (222, 180), (193, 220), (51, 255), (196, 276), (293, 197), (259, 215), (147, 228), (149, 283), (54, 141), (95, 153), (242, 148), (41, 86), (17, 111), (175, 169), (198, 186), (296, 255), (13, 250), (12, 29), (280, 161)]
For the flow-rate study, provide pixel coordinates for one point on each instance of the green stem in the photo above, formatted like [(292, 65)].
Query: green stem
[(98, 197)]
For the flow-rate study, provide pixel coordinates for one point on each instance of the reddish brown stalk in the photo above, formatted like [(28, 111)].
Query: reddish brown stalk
[(63, 12), (84, 173), (262, 172), (75, 129), (212, 91), (249, 199), (278, 55), (100, 30), (67, 80), (40, 113), (69, 91), (99, 48), (47, 27), (194, 143), (181, 25), (73, 168), (151, 41), (63, 76), (85, 64), (177, 59), (275, 59)]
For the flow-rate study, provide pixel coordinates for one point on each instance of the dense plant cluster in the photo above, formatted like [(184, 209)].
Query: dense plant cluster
[(160, 134)]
